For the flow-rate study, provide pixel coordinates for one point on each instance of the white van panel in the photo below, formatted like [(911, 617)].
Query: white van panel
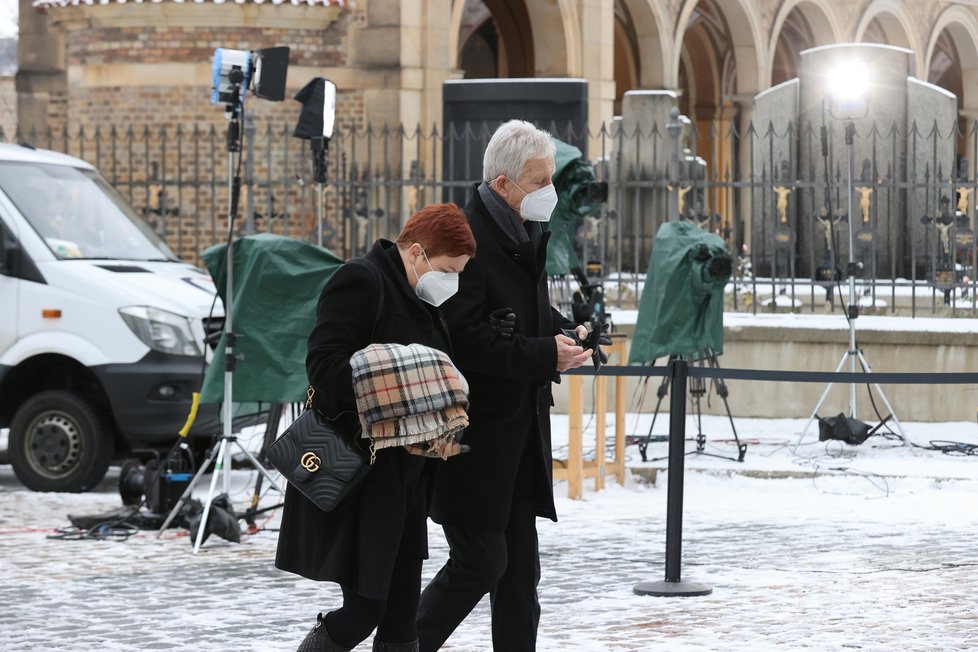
[(63, 343)]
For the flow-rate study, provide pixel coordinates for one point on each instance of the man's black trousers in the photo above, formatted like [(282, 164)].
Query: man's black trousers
[(504, 564)]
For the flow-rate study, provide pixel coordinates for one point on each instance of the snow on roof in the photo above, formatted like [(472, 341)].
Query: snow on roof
[(65, 3), (19, 153)]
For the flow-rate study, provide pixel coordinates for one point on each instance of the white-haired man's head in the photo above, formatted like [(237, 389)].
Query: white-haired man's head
[(511, 146), (518, 160)]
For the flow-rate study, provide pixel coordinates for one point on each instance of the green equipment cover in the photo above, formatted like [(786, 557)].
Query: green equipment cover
[(574, 182), (277, 282), (681, 312)]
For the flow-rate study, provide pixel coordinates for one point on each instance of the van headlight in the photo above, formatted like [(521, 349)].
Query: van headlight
[(160, 330)]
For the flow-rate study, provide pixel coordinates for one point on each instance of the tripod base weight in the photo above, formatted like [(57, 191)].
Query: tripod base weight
[(666, 589)]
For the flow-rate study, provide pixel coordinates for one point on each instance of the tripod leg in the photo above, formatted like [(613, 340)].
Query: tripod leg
[(271, 429), (723, 392), (660, 393), (879, 390), (818, 405), (219, 467), (697, 388), (189, 490), (258, 466)]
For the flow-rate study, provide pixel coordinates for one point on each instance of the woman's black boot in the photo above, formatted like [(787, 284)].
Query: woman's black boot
[(384, 646), (318, 640)]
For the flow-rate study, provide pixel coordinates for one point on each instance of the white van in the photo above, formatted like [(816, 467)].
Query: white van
[(102, 327)]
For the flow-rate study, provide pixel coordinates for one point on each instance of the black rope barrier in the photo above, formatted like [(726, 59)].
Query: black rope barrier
[(678, 370), (840, 377)]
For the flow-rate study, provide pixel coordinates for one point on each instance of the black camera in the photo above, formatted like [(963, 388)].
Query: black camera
[(160, 481)]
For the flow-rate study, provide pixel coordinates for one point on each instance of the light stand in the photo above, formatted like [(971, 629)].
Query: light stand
[(316, 121), (853, 354), (220, 453), (319, 147)]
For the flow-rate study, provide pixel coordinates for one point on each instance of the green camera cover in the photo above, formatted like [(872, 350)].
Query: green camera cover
[(277, 282), (681, 311)]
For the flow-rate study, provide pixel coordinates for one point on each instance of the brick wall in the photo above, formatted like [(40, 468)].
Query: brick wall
[(164, 146), (147, 44)]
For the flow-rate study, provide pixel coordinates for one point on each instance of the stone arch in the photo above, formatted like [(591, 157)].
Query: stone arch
[(555, 52), (962, 28), (654, 42), (513, 27), (704, 74), (468, 24), (746, 39), (733, 30), (454, 32), (821, 20), (897, 25)]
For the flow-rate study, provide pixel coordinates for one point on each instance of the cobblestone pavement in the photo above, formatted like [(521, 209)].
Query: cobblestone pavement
[(839, 563)]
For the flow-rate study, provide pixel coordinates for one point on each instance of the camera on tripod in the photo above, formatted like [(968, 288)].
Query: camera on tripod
[(681, 311)]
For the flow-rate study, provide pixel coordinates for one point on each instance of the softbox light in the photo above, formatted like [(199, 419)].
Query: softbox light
[(318, 99), (271, 70)]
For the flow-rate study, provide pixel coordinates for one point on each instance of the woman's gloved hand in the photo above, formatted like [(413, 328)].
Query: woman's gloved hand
[(504, 321)]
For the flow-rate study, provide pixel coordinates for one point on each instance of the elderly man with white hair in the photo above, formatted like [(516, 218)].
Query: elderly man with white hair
[(488, 499)]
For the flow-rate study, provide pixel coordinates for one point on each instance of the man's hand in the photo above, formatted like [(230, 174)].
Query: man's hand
[(581, 332), (569, 354)]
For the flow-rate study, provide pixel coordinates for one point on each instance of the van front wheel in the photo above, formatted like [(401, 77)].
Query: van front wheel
[(58, 442)]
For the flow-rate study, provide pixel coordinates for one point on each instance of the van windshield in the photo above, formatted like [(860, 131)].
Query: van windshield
[(78, 214)]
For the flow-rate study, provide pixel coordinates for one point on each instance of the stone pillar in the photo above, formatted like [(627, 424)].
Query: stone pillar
[(645, 152), (597, 65), (41, 80)]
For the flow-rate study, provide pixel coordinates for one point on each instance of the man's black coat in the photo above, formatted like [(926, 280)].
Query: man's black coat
[(509, 379)]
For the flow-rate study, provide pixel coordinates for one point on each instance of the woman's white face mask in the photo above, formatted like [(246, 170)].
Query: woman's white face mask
[(435, 287), (538, 206)]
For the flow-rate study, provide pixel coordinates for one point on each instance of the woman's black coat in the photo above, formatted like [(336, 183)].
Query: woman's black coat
[(509, 379), (356, 544)]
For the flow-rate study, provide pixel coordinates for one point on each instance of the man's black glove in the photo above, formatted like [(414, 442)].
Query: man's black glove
[(593, 341), (504, 321)]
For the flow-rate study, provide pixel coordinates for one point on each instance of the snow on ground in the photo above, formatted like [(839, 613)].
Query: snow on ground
[(829, 547)]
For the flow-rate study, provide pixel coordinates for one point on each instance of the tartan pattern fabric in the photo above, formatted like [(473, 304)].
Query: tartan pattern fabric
[(408, 394)]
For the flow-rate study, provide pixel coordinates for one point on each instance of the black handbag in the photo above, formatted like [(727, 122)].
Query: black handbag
[(319, 458)]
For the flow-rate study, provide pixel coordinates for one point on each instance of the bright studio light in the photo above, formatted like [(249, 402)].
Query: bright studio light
[(847, 86)]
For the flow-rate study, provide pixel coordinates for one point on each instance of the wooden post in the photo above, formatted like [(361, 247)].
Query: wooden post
[(575, 444), (574, 469), (600, 451), (619, 468)]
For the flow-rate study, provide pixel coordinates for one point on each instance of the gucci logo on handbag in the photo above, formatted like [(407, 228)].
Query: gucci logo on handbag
[(319, 457), (310, 462)]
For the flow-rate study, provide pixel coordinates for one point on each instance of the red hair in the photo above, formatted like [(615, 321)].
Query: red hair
[(442, 229)]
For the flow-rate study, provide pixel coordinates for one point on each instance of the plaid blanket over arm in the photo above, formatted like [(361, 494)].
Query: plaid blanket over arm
[(408, 394)]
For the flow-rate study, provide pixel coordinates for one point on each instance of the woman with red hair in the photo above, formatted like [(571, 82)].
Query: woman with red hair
[(373, 544)]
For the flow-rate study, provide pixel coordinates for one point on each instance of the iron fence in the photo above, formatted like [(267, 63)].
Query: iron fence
[(781, 200)]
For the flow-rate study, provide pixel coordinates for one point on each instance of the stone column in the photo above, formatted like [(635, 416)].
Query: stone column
[(597, 64), (645, 155), (41, 78)]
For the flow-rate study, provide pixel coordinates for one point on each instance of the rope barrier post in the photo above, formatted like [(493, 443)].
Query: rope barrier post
[(673, 584)]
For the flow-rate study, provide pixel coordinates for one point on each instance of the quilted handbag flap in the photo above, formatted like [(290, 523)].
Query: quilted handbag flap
[(319, 446), (319, 460)]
